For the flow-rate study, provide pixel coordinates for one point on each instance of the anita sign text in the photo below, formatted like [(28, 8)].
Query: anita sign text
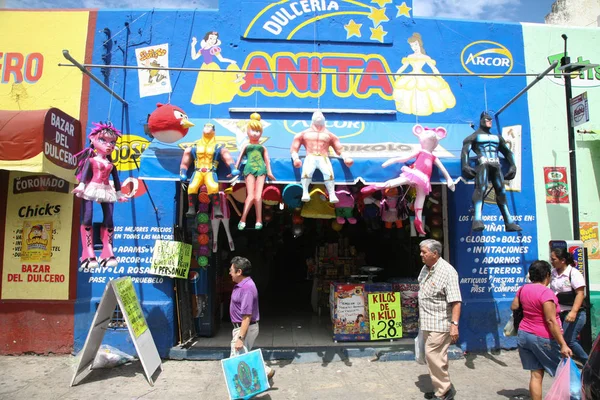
[(342, 84)]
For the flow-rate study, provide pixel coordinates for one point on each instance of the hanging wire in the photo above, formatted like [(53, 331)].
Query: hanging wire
[(485, 95), (415, 97), (277, 71), (212, 80), (315, 52), (188, 47), (126, 26), (111, 99)]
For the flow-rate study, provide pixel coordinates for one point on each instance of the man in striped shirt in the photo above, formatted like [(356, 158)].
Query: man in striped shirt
[(439, 312)]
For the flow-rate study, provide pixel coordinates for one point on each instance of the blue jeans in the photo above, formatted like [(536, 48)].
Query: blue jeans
[(571, 331), (537, 352)]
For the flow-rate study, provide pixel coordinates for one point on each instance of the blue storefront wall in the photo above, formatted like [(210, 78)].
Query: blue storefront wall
[(138, 224), (490, 265)]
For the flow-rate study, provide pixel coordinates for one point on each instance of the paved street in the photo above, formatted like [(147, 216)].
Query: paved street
[(482, 376)]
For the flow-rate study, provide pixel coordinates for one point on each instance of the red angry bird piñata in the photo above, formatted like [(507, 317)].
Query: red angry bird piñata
[(168, 123)]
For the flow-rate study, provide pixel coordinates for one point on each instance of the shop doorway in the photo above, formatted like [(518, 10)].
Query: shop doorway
[(293, 271)]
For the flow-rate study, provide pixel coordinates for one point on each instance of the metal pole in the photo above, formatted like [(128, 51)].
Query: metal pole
[(93, 77), (526, 88), (565, 60)]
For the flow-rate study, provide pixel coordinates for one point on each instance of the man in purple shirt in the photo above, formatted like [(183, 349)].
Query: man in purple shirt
[(243, 308)]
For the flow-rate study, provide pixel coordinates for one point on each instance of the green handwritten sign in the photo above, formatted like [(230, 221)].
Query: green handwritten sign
[(385, 315), (131, 306), (171, 258)]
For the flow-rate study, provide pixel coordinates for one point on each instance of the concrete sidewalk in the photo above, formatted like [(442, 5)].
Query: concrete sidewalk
[(477, 376)]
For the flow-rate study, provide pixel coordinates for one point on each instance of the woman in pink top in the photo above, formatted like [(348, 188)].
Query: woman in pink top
[(540, 325)]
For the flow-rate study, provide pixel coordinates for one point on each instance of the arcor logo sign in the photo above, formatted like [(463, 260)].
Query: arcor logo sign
[(486, 57)]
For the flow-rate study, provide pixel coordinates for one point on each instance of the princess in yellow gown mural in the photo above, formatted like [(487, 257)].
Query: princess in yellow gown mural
[(421, 95), (214, 87)]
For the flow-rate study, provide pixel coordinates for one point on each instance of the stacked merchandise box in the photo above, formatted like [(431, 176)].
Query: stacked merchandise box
[(331, 267), (349, 309), (349, 312), (409, 300)]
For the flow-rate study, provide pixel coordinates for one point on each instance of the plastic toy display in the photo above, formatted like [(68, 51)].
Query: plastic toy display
[(344, 209), (317, 139), (393, 208), (205, 155), (216, 221), (93, 170), (318, 207), (257, 169), (168, 123), (486, 146), (419, 174)]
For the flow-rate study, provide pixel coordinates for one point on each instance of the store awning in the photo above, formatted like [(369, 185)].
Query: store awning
[(43, 141), (368, 143)]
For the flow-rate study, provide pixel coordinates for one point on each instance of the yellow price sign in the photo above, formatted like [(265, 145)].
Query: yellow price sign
[(131, 306), (385, 315)]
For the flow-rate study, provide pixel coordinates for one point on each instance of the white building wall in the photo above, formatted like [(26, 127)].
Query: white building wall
[(575, 13)]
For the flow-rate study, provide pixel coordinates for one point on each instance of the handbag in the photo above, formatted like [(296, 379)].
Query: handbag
[(568, 298), (245, 374), (517, 315)]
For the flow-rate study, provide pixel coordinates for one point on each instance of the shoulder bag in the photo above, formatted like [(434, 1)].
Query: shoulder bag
[(512, 326), (568, 298), (518, 313)]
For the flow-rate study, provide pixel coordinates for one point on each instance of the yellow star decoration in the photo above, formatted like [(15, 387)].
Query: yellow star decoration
[(352, 29), (378, 33), (378, 16), (382, 3), (403, 9)]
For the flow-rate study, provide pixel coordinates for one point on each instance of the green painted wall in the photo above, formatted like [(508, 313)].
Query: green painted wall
[(547, 113)]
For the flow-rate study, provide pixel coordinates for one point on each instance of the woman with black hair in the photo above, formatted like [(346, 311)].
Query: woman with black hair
[(568, 285), (539, 326)]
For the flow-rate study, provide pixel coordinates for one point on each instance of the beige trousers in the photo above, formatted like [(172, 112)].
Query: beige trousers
[(251, 336), (436, 354)]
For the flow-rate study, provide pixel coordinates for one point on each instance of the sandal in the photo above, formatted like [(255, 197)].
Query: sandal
[(110, 262), (88, 263)]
